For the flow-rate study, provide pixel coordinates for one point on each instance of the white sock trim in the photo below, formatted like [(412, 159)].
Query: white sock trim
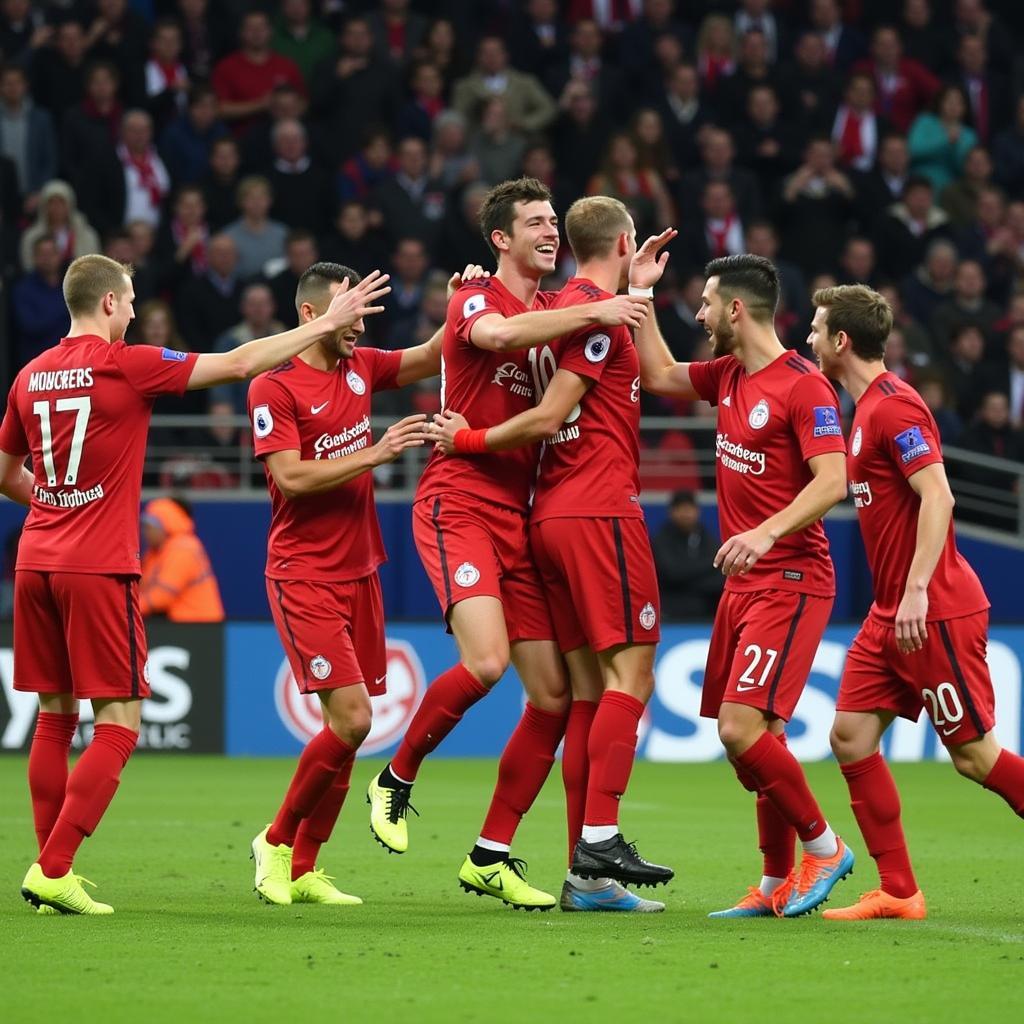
[(824, 845), (398, 778), (490, 844), (769, 883), (585, 884), (599, 833)]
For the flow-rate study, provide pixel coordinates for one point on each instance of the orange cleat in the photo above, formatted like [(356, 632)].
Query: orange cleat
[(877, 904)]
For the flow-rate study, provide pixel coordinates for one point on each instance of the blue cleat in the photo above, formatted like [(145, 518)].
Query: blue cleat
[(816, 878), (613, 896), (756, 904)]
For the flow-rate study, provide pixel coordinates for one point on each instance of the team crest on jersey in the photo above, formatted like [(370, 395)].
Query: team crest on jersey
[(858, 439), (472, 305), (467, 574), (648, 616), (320, 667), (262, 421), (758, 415), (826, 421), (355, 383), (598, 346)]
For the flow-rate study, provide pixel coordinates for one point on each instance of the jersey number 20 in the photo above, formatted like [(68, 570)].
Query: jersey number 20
[(81, 407)]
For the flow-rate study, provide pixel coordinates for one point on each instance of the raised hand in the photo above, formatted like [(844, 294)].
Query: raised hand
[(648, 264), (408, 433), (622, 310), (351, 303), (444, 428), (473, 272)]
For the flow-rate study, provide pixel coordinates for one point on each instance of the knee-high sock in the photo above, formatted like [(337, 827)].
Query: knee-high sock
[(317, 826), (524, 766), (91, 787), (875, 801), (1007, 779), (576, 767), (447, 699), (48, 769), (611, 748), (319, 764), (779, 777)]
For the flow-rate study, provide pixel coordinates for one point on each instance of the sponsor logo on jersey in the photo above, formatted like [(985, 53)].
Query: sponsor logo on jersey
[(597, 347), (758, 415), (858, 440), (912, 445), (648, 616), (516, 377), (351, 439), (316, 409), (826, 421), (861, 493), (794, 575), (634, 390), (60, 380), (392, 711), (355, 383), (319, 666), (472, 305), (467, 574), (738, 458), (262, 421), (172, 355)]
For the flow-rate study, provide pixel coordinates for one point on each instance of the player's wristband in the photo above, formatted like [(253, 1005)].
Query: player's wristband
[(470, 442), (641, 293)]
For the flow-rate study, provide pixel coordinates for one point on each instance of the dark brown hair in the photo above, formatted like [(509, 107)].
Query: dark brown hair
[(498, 211)]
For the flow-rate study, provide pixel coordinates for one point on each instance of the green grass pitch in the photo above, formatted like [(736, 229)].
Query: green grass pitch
[(190, 941)]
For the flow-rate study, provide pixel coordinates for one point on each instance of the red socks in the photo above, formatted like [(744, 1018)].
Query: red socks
[(48, 769), (322, 760), (1007, 779), (780, 778), (876, 806), (90, 788), (447, 699), (576, 766), (316, 829), (775, 835), (611, 749), (524, 766)]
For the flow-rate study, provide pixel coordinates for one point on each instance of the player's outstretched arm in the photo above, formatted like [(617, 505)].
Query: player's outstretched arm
[(933, 519), (452, 435), (497, 333), (15, 480), (296, 477), (739, 554), (348, 305)]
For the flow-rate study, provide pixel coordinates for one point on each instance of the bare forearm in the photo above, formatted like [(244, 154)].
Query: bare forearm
[(806, 508), (527, 428), (423, 361), (660, 374), (525, 330), (317, 476), (932, 529), (19, 487)]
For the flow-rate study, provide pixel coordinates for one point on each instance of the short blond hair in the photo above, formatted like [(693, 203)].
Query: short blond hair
[(862, 313), (91, 277), (593, 224)]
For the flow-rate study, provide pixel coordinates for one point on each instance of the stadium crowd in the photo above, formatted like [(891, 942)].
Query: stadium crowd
[(223, 147)]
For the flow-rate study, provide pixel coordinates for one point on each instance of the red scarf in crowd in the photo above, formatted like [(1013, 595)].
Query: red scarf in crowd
[(147, 171)]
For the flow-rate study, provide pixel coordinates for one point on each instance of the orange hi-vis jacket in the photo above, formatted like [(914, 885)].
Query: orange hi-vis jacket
[(177, 580)]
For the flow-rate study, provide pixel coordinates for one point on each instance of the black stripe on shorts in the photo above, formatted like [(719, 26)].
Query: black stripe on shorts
[(620, 555), (133, 647), (785, 653), (303, 684), (435, 516), (961, 682)]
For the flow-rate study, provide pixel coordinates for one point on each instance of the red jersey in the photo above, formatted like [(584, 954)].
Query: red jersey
[(487, 388), (590, 467), (82, 409), (894, 436), (332, 537), (769, 424)]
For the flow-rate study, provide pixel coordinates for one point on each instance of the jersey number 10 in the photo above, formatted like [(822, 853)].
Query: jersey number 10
[(81, 407)]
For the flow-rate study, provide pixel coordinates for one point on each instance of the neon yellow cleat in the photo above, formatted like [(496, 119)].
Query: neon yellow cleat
[(315, 887), (46, 911), (273, 882), (65, 895), (504, 881), (388, 809)]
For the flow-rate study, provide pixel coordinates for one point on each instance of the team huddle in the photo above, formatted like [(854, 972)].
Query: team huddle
[(528, 522)]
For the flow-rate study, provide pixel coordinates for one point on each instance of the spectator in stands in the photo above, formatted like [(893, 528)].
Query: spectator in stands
[(972, 18), (220, 183), (966, 306), (207, 30), (58, 71), (883, 185), (1008, 153), (969, 376), (923, 39), (120, 35), (182, 240), (684, 113), (244, 79), (369, 168), (769, 145), (257, 238), (762, 239), (186, 142), (177, 581), (940, 140), (757, 16), (857, 263), (409, 267), (154, 325), (527, 104), (58, 217), (1015, 385), (716, 53), (300, 253), (397, 32), (904, 232), (935, 393), (286, 104), (584, 62), (812, 84), (753, 68), (857, 128), (440, 48), (990, 239), (27, 136), (718, 232), (37, 301), (919, 342), (641, 188), (301, 37), (931, 283), (411, 203), (426, 102), (452, 163), (718, 155), (496, 149), (23, 30), (145, 181), (903, 86), (844, 45), (639, 41), (90, 130), (580, 135), (461, 240), (684, 553), (139, 253), (960, 197), (987, 90), (304, 195), (208, 305), (993, 435), (167, 81), (538, 39), (353, 242)]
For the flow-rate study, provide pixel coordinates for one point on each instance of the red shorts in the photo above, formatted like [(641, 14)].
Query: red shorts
[(949, 677), (762, 646), (333, 633), (79, 633), (473, 549), (600, 581)]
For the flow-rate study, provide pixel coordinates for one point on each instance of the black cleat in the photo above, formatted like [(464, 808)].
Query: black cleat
[(615, 858)]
